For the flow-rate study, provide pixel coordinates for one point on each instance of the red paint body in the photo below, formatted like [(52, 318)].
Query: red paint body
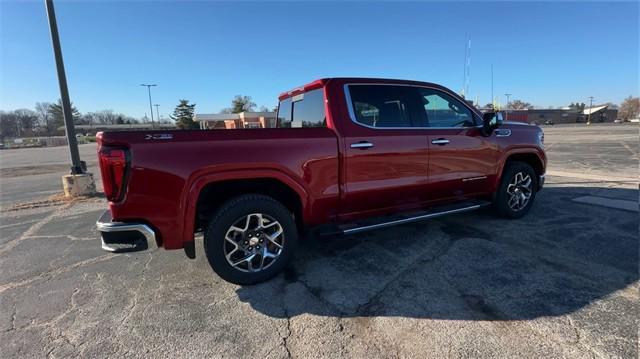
[(334, 182)]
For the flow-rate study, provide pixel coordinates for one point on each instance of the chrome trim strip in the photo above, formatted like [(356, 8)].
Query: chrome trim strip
[(440, 142), (107, 226), (362, 145), (412, 219), (502, 132), (352, 115), (473, 178), (517, 123)]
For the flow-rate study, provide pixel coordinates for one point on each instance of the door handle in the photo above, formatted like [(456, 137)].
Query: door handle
[(440, 141), (363, 145)]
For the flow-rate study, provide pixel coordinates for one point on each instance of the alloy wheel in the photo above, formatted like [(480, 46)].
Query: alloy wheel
[(253, 242), (519, 191)]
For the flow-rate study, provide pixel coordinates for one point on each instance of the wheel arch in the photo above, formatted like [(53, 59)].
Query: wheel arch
[(532, 158), (219, 187)]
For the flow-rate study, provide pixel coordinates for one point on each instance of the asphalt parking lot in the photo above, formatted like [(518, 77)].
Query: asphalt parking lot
[(561, 282)]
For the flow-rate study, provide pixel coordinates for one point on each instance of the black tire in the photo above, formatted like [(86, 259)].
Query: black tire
[(502, 197), (229, 214)]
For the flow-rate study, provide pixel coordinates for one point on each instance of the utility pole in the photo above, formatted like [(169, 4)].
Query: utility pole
[(76, 164), (590, 107), (150, 103), (493, 100), (467, 65), (157, 112), (506, 111)]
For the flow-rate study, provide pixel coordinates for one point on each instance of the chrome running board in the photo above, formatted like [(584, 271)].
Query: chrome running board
[(354, 228)]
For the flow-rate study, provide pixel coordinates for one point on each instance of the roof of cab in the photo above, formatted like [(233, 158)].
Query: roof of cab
[(322, 82)]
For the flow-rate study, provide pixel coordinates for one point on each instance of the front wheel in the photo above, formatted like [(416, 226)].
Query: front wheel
[(250, 239), (517, 190)]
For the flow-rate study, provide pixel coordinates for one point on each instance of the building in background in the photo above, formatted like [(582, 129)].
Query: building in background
[(236, 120), (93, 129), (563, 115)]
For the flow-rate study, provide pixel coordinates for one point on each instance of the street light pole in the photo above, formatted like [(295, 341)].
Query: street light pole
[(76, 164), (590, 107), (157, 112), (506, 112), (493, 100), (150, 103)]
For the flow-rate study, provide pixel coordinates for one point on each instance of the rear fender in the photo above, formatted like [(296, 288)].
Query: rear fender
[(190, 199)]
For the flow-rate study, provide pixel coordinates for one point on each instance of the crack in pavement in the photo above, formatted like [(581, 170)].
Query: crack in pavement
[(363, 308), (13, 319), (51, 274), (33, 229), (67, 236), (285, 339), (62, 335), (18, 224), (134, 302)]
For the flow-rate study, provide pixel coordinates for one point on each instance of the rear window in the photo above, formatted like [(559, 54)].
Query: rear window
[(304, 110), (284, 113)]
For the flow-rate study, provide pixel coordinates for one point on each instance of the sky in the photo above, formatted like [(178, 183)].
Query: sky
[(545, 53)]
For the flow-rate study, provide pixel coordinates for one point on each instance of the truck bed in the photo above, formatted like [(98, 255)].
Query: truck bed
[(169, 168)]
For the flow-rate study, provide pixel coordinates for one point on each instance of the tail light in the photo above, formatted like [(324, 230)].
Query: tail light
[(114, 167)]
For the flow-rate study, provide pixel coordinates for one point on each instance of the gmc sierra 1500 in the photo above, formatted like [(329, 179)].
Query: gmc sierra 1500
[(348, 155)]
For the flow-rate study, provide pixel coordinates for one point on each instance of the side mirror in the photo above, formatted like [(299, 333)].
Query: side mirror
[(491, 121)]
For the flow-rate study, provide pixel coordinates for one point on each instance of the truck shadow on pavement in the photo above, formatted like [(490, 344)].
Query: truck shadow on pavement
[(558, 259)]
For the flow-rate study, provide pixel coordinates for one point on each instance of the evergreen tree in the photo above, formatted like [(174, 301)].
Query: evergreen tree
[(183, 115), (55, 111)]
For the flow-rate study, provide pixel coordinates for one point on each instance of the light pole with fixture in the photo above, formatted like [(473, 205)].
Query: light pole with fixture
[(590, 110), (157, 112), (150, 103), (79, 182), (506, 112)]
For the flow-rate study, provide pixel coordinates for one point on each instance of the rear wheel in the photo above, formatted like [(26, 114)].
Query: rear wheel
[(250, 239), (517, 190)]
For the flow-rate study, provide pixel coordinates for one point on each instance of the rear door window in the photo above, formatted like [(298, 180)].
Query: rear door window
[(382, 106)]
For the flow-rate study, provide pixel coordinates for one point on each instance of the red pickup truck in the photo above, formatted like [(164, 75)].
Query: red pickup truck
[(347, 155)]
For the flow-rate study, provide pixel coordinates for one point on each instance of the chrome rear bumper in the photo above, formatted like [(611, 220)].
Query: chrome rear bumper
[(121, 237)]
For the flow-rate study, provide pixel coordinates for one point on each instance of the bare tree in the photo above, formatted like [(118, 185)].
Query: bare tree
[(45, 120), (578, 106), (26, 121), (107, 117), (630, 108), (8, 125), (519, 105)]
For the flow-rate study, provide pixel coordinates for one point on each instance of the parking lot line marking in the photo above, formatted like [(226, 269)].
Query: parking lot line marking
[(17, 224), (588, 176), (633, 153), (609, 202), (51, 274)]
